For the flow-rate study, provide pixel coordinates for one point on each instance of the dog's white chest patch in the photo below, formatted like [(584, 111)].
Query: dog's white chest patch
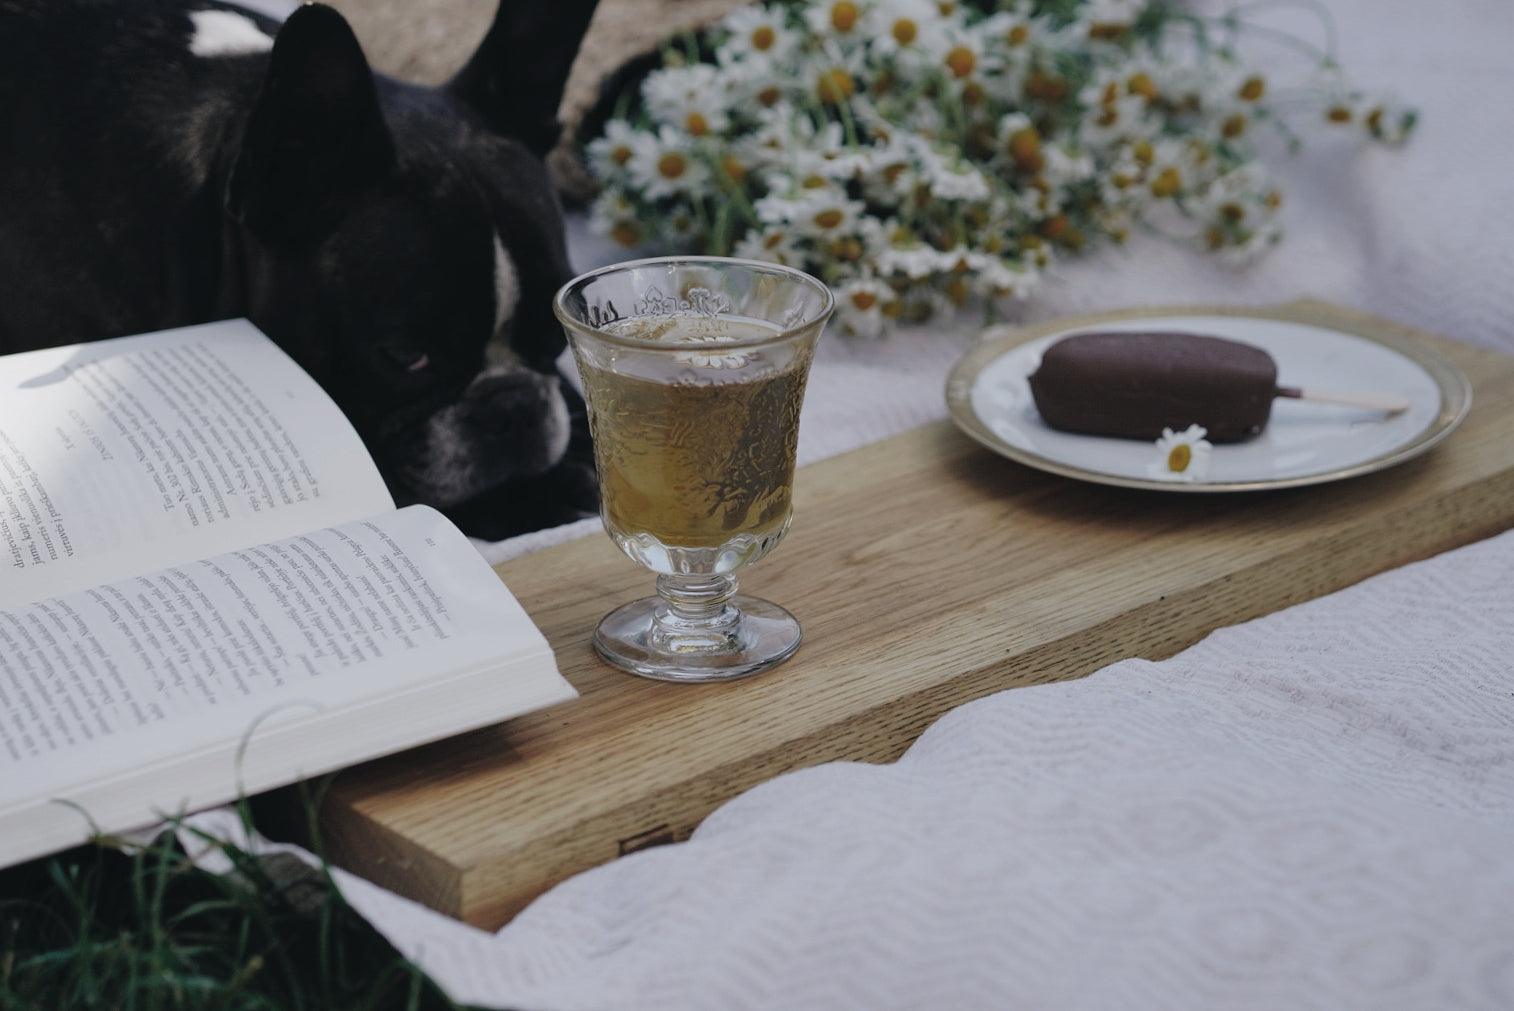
[(224, 33), (506, 285)]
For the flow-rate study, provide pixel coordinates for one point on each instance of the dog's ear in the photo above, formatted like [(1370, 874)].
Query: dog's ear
[(315, 135), (514, 83)]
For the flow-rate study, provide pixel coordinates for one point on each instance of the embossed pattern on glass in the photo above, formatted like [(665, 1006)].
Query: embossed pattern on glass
[(694, 372)]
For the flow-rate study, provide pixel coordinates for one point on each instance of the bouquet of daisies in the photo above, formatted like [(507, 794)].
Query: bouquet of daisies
[(920, 154)]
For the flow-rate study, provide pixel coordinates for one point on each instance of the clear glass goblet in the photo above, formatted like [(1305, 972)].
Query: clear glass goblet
[(694, 371)]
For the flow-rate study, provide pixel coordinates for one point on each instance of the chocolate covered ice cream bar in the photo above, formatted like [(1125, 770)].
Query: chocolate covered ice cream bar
[(1133, 385)]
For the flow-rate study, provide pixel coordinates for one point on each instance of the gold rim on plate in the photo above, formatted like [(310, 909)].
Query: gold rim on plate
[(1455, 391)]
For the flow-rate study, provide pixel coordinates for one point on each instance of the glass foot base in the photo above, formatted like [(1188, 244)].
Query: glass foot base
[(764, 636)]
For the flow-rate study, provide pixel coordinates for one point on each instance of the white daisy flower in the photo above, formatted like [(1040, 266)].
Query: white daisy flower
[(822, 214), (1181, 456), (915, 262), (862, 306), (961, 56), (999, 279), (756, 84), (691, 98), (1171, 172), (757, 31), (1110, 19), (667, 165), (954, 179), (893, 172), (843, 20), (1065, 169), (613, 214), (610, 154), (775, 244), (1262, 238), (1388, 119), (903, 28), (1127, 117), (825, 154), (1015, 31)]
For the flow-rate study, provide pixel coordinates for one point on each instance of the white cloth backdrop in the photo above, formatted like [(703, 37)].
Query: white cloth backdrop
[(1313, 810)]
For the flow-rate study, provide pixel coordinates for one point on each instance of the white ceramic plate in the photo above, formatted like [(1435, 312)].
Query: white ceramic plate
[(1304, 443)]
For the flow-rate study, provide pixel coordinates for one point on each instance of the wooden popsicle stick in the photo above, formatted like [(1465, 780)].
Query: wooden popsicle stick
[(1388, 403)]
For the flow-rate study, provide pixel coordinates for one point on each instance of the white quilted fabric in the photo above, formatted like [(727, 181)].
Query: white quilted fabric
[(1312, 810)]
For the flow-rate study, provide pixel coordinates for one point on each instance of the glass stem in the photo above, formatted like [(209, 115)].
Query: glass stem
[(697, 615)]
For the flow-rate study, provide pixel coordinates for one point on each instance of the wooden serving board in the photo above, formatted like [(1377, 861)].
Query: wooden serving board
[(927, 572)]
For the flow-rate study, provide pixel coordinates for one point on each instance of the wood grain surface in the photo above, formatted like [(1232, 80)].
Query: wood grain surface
[(927, 572)]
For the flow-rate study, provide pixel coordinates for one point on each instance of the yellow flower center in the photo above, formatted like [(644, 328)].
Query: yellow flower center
[(1142, 84), (696, 124), (829, 218), (1143, 152), (621, 154), (1025, 149), (973, 93), (763, 38), (733, 168), (864, 300), (1232, 212), (957, 290), (672, 165), (770, 95), (1018, 35), (961, 61), (773, 241), (1179, 458), (846, 249), (814, 182), (1045, 87), (1055, 227), (904, 31), (946, 7), (1273, 200), (1233, 126), (835, 86), (627, 233), (844, 16), (1338, 114), (1167, 183), (1251, 89)]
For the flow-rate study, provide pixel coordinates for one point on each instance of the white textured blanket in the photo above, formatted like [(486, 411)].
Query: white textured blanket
[(1312, 810)]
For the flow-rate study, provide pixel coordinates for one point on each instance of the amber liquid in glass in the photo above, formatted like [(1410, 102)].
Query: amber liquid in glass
[(705, 453)]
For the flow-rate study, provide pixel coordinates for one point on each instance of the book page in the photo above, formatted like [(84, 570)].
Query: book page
[(127, 455), (158, 665)]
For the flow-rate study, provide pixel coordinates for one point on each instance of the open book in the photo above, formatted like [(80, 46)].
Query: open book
[(206, 590)]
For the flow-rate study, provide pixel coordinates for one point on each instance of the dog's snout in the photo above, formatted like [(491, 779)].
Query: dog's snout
[(509, 422)]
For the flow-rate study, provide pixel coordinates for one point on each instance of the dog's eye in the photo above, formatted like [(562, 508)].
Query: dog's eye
[(409, 359)]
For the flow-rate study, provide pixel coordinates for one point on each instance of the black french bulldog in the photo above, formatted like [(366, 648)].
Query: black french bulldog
[(168, 162)]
